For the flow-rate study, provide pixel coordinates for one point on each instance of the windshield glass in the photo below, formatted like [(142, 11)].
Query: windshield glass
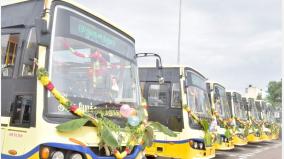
[(254, 112), (239, 107), (197, 97), (221, 103), (90, 64)]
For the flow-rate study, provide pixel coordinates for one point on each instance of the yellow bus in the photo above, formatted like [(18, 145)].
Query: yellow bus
[(272, 123), (89, 60), (266, 134), (221, 112), (239, 116), (179, 102), (255, 131)]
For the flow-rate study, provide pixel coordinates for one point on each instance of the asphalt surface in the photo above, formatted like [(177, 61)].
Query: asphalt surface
[(264, 150)]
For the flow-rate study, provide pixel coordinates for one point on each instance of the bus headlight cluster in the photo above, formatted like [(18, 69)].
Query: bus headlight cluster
[(55, 153), (76, 156), (197, 144), (240, 136), (257, 134), (224, 139)]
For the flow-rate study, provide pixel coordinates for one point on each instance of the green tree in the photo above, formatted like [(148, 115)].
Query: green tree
[(274, 96)]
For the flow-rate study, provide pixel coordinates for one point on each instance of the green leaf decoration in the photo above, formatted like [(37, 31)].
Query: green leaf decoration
[(207, 135), (108, 137), (148, 137), (72, 125), (228, 133), (246, 131), (207, 139), (162, 128), (41, 72), (204, 123)]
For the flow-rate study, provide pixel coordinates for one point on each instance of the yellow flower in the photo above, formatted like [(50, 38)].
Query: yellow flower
[(63, 100), (56, 94), (79, 112), (145, 112), (119, 155), (44, 80)]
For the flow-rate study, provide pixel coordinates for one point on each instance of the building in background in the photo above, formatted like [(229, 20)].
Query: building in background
[(254, 92)]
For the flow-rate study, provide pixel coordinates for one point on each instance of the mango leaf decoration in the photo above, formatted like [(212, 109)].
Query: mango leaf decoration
[(162, 128), (72, 125), (148, 137), (246, 130), (207, 135), (108, 137), (228, 133)]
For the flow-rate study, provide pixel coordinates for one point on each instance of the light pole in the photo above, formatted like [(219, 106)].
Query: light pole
[(179, 30)]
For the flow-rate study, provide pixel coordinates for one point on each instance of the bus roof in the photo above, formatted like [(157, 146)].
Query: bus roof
[(176, 66)]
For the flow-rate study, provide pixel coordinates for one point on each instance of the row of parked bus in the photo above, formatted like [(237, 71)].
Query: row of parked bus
[(186, 94), (93, 64)]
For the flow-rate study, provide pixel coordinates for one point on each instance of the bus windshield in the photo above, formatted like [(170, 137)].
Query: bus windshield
[(221, 103), (239, 107), (254, 112), (197, 97), (90, 64)]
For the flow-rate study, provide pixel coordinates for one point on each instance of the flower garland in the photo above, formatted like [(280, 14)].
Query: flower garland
[(96, 55), (225, 123), (208, 136), (73, 108), (139, 131)]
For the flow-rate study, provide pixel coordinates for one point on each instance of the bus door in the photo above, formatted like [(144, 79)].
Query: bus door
[(164, 104), (18, 86)]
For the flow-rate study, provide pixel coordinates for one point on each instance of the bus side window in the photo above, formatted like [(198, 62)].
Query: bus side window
[(28, 66), (158, 95), (21, 111), (9, 45), (176, 100)]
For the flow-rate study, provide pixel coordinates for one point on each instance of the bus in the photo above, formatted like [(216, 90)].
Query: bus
[(272, 123), (239, 116), (255, 131), (180, 102), (221, 112), (266, 134), (89, 60)]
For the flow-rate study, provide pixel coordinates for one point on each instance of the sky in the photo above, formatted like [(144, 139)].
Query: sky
[(233, 42)]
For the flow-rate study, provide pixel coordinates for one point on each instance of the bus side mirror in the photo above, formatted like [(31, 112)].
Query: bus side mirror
[(42, 33), (159, 65)]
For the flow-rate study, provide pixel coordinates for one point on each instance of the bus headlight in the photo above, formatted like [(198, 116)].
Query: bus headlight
[(226, 139), (201, 145), (195, 145), (57, 155), (76, 156)]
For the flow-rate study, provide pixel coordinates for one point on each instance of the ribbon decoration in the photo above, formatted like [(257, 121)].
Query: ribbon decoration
[(96, 55)]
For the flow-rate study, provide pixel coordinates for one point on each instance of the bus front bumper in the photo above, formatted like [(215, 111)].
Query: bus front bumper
[(208, 153), (239, 141), (224, 146), (253, 139), (266, 137)]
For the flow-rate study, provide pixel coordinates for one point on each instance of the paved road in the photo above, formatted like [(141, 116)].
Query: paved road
[(265, 150)]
